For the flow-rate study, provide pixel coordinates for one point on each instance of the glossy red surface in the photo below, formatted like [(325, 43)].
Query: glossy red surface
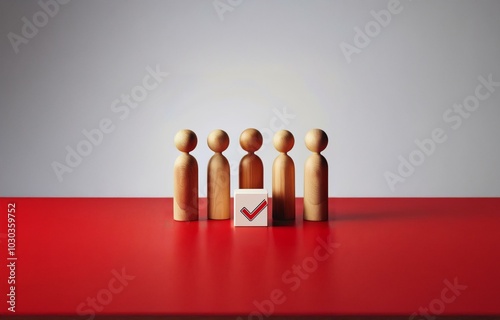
[(390, 256)]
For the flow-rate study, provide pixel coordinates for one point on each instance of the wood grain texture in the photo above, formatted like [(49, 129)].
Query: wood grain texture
[(283, 188), (283, 177), (251, 168), (316, 188), (218, 185), (316, 177), (251, 172), (185, 177), (218, 179), (185, 188)]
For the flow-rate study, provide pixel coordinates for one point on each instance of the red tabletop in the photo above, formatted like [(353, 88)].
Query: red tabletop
[(374, 256)]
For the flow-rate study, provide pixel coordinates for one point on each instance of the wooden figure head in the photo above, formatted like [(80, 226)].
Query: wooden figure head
[(185, 140), (316, 140), (218, 141), (251, 140), (283, 141)]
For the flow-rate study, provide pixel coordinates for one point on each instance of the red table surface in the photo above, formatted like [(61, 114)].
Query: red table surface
[(391, 256)]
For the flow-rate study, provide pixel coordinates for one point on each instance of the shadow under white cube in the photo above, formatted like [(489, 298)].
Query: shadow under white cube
[(250, 208)]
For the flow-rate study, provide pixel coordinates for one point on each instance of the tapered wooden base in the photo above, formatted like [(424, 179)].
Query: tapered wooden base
[(218, 185), (185, 188), (251, 172), (283, 188), (316, 188)]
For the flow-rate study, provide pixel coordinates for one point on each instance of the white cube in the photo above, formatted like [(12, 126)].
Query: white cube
[(250, 207)]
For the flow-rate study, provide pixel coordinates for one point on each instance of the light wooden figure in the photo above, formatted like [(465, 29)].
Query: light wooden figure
[(251, 169), (316, 177), (218, 180), (185, 177), (283, 178)]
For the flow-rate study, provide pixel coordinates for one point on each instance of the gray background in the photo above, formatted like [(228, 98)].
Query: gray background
[(240, 71)]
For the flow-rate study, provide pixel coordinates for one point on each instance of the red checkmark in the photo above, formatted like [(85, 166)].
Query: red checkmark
[(251, 215)]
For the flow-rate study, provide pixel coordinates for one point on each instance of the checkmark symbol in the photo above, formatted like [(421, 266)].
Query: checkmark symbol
[(251, 215)]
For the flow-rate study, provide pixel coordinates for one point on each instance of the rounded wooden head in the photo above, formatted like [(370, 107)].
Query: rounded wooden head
[(218, 140), (283, 141), (185, 140), (251, 140), (316, 140)]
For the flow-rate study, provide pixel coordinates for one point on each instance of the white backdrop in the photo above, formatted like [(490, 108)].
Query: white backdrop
[(115, 80)]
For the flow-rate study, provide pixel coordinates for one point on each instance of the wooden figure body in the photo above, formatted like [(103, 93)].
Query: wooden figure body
[(251, 169), (316, 177), (185, 177), (283, 178), (218, 177)]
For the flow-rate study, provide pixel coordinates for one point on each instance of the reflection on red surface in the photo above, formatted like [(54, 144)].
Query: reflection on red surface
[(374, 256)]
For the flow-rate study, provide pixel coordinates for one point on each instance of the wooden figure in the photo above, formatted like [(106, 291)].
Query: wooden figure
[(218, 177), (251, 169), (283, 178), (185, 177), (316, 177)]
